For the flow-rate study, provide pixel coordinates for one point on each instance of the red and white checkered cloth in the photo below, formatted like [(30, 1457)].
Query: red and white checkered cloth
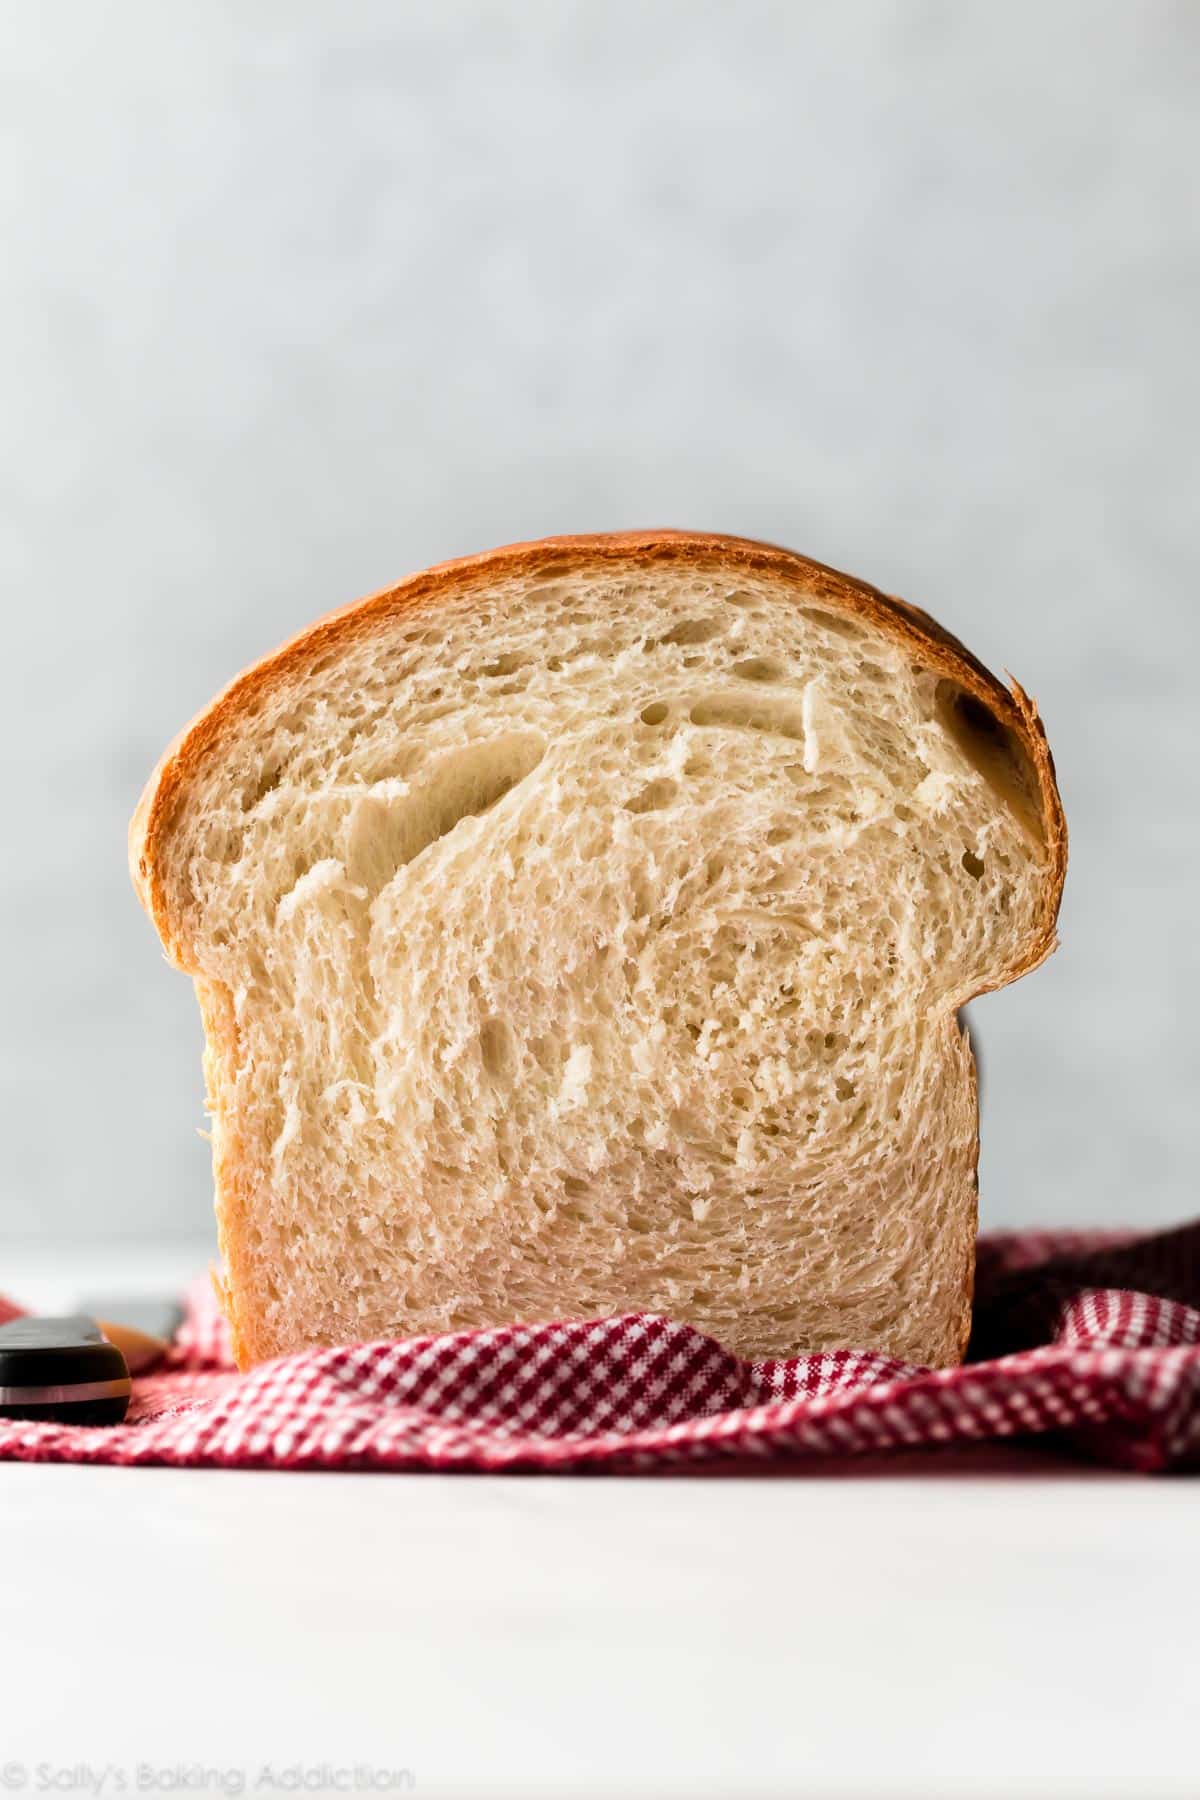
[(1093, 1339)]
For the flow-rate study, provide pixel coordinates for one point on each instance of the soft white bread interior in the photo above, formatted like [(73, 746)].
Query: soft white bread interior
[(582, 928)]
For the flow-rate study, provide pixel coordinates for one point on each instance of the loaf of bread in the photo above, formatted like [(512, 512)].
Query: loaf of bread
[(583, 928)]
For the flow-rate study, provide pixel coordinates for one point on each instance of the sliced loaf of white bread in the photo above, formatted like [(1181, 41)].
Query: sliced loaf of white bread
[(582, 927)]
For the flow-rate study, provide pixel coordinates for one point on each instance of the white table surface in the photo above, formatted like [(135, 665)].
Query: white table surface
[(982, 1624)]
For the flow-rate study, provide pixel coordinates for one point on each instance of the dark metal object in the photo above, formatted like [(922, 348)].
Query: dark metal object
[(63, 1370)]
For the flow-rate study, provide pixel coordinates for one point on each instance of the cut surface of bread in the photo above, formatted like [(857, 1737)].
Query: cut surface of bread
[(582, 928)]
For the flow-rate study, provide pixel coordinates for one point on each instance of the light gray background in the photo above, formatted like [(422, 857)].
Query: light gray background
[(294, 299)]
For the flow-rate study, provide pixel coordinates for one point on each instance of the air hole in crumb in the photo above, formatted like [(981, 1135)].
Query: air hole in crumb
[(653, 797), (221, 845), (779, 834), (269, 779), (392, 830), (844, 1089), (992, 748), (835, 622), (902, 812), (692, 631), (655, 713), (573, 1186), (508, 664), (738, 713), (495, 1046), (978, 717), (972, 864), (759, 668), (742, 1098)]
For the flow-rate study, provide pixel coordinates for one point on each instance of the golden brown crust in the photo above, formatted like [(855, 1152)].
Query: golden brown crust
[(220, 1056), (930, 645), (972, 1224)]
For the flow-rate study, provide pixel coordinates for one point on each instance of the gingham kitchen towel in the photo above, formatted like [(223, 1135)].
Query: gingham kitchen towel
[(1092, 1339)]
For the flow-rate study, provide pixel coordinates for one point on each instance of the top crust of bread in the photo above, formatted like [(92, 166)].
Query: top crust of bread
[(936, 648)]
